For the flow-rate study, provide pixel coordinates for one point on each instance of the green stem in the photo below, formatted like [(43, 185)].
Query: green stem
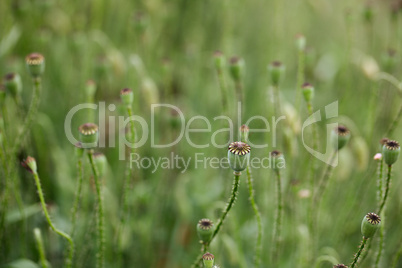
[(33, 109), (322, 185), (257, 258), (357, 255), (380, 180), (394, 123), (5, 196), (224, 93), (381, 244), (384, 200), (300, 79), (278, 219), (396, 257), (41, 250), (100, 218), (52, 226)]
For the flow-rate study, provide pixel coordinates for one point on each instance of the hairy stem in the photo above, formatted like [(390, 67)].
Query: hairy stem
[(278, 219), (359, 252), (41, 250), (384, 200)]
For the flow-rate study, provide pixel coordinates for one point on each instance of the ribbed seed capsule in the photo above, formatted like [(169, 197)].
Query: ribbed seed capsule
[(208, 260), (205, 229), (35, 63), (127, 96), (340, 137), (370, 224), (390, 152), (239, 155), (88, 135)]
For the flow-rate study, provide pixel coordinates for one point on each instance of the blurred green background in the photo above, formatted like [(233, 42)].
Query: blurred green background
[(163, 50)]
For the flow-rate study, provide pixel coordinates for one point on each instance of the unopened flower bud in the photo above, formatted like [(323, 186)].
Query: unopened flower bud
[(208, 260), (276, 70), (88, 135), (244, 130), (340, 137), (308, 91), (36, 64), (239, 155), (377, 156), (30, 164), (390, 152), (370, 224), (277, 160), (127, 96), (236, 68), (13, 84), (205, 229)]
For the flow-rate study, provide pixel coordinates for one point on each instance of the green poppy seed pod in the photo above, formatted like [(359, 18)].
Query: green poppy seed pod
[(340, 266), (205, 229), (90, 88), (370, 224), (30, 164), (219, 60), (89, 135), (208, 260), (244, 130), (390, 152), (301, 42), (127, 96), (236, 68), (340, 137), (101, 163), (13, 84), (79, 151), (239, 155), (276, 70), (277, 160), (35, 63), (308, 92)]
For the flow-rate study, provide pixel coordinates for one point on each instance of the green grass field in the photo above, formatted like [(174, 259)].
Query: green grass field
[(165, 51)]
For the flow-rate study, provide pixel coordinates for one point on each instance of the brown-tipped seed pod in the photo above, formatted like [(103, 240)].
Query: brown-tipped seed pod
[(205, 229), (236, 68), (370, 224), (100, 163), (340, 137), (244, 130), (308, 91), (208, 260), (239, 155), (88, 135), (219, 60), (340, 266), (35, 63), (277, 160), (276, 70), (30, 164), (13, 84), (127, 96), (390, 152)]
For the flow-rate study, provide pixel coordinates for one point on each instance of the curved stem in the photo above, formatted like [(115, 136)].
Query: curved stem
[(322, 185), (359, 252), (52, 226), (278, 219), (380, 193), (257, 258), (384, 200), (100, 218), (381, 244)]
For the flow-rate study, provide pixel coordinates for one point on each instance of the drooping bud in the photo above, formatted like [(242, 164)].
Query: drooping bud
[(101, 163), (340, 137), (390, 152), (127, 96), (236, 68), (205, 229), (244, 130), (30, 164), (219, 60), (239, 155), (277, 160), (208, 260), (300, 42), (35, 64), (370, 224), (308, 92), (88, 135), (13, 84), (276, 70)]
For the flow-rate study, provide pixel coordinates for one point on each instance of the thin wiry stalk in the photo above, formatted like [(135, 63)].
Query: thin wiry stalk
[(300, 79), (278, 219), (41, 250), (381, 243), (384, 200), (359, 252), (396, 257), (394, 123), (258, 247)]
